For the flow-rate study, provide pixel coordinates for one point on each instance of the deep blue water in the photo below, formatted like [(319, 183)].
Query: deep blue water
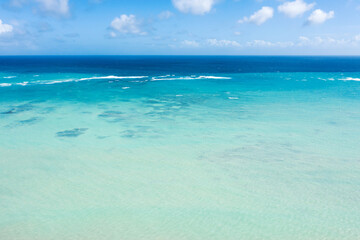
[(177, 64)]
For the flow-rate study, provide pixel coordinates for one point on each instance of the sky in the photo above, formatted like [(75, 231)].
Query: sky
[(179, 27)]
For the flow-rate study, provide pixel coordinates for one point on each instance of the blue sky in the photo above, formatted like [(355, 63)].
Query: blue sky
[(224, 27)]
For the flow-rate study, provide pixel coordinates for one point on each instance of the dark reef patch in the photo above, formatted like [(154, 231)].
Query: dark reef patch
[(129, 134), (19, 109), (72, 133), (29, 121), (112, 116)]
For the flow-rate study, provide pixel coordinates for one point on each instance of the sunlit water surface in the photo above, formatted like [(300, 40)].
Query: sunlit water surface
[(178, 152)]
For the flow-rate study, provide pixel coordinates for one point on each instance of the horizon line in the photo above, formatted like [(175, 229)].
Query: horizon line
[(169, 55)]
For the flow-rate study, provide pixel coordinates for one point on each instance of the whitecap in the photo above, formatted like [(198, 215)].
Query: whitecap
[(233, 98), (10, 77), (170, 79), (213, 77), (350, 79), (59, 81), (50, 82), (125, 87), (192, 77), (94, 78), (112, 77), (23, 83)]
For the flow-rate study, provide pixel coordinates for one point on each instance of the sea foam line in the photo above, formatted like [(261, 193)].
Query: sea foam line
[(350, 79), (69, 80), (188, 78), (112, 77), (159, 78), (94, 78)]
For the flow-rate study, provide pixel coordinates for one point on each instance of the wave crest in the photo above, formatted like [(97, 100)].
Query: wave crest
[(136, 79), (350, 79), (161, 78)]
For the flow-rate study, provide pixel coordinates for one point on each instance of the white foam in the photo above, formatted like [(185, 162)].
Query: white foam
[(125, 87), (50, 82), (23, 83), (187, 78), (213, 77), (137, 81), (350, 79), (59, 81), (94, 78), (170, 79), (160, 78), (233, 98), (10, 77), (112, 77)]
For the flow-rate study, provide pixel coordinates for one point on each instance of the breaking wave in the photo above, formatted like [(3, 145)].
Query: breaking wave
[(350, 79), (111, 77), (172, 78), (58, 81)]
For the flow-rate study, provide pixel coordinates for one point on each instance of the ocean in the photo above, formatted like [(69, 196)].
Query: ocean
[(179, 147)]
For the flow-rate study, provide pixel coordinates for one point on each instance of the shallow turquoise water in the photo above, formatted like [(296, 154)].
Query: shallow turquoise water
[(265, 155)]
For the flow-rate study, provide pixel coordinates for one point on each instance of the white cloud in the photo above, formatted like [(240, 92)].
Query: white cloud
[(58, 7), (319, 16), (318, 42), (259, 43), (190, 43), (325, 42), (165, 15), (112, 34), (198, 7), (295, 8), (223, 43), (127, 24), (303, 39), (309, 42), (285, 44), (259, 17), (5, 28), (262, 43)]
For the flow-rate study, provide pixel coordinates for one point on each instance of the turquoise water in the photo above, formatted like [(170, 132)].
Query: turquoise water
[(114, 153)]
